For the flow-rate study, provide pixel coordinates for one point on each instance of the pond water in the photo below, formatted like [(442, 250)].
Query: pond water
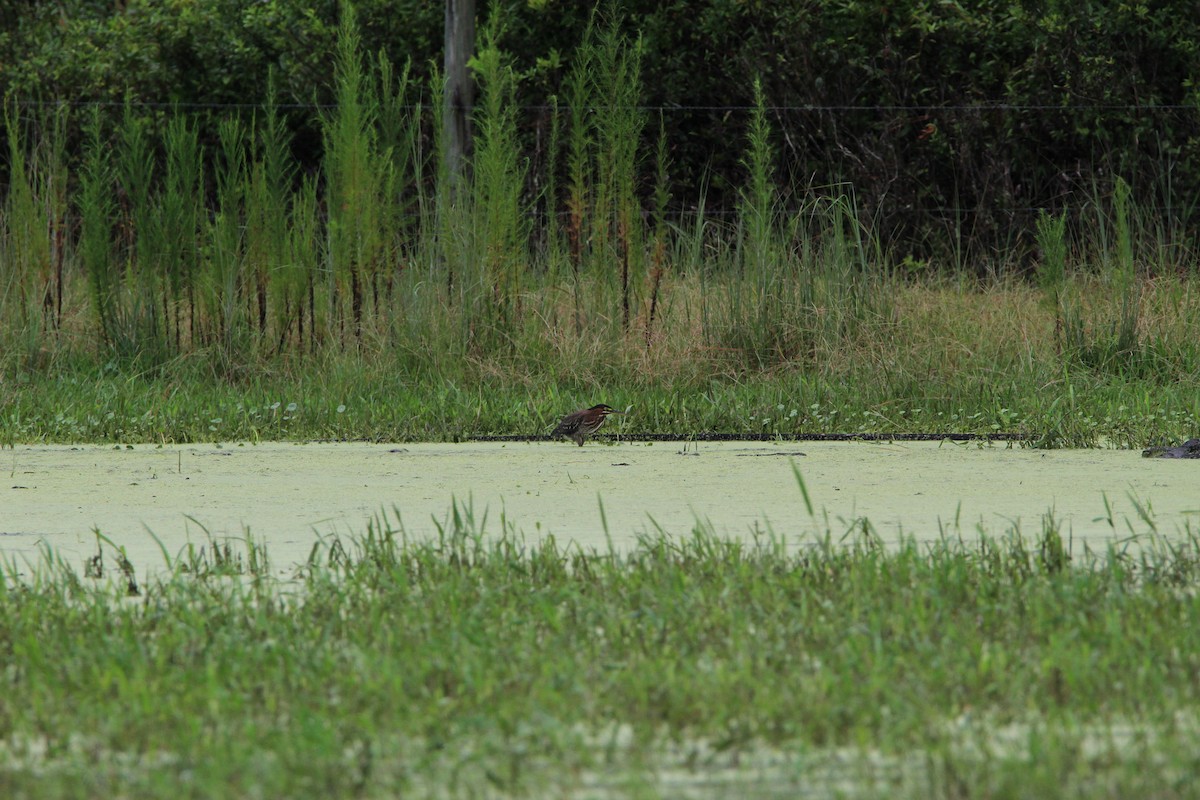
[(287, 494)]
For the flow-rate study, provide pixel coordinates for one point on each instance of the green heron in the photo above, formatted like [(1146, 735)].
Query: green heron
[(581, 424)]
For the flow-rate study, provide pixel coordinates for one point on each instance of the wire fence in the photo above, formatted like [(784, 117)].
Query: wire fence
[(663, 108)]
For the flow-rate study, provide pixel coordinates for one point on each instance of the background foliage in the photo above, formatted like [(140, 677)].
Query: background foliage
[(954, 123), (723, 214)]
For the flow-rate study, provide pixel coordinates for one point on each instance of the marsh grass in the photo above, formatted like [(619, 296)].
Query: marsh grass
[(499, 215), (357, 175), (476, 662), (32, 228), (180, 223), (1110, 337), (989, 366), (190, 281)]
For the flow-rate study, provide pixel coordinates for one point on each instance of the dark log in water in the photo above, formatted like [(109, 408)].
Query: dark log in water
[(1189, 449)]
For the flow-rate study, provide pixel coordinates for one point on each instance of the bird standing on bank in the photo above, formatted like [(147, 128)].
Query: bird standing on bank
[(579, 425)]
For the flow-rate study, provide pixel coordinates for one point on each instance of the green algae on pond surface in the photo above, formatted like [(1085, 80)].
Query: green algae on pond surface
[(286, 495)]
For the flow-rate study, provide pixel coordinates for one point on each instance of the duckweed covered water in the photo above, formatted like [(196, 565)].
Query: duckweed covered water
[(287, 495)]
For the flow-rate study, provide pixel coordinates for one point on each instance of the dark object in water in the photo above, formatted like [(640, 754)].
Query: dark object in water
[(1189, 449)]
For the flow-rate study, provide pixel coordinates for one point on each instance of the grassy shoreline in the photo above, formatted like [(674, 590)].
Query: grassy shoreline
[(949, 358), (157, 287), (481, 665)]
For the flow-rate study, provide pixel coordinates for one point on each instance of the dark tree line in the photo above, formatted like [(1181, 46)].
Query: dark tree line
[(954, 123)]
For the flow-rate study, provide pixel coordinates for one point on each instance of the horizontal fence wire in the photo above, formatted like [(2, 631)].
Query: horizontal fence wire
[(734, 213), (670, 107)]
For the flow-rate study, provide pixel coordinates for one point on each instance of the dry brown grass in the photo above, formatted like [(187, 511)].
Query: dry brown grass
[(928, 332)]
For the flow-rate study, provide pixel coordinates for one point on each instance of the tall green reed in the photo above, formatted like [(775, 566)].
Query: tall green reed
[(849, 296), (223, 285), (759, 303), (552, 239), (1105, 339), (300, 292), (55, 185), (798, 281), (141, 242), (604, 229), (618, 124), (284, 291), (355, 174), (96, 252), (1108, 337), (33, 222), (403, 192), (760, 319), (1052, 274), (268, 194), (499, 218), (658, 247), (579, 171), (181, 218), (398, 119), (1124, 272), (139, 232)]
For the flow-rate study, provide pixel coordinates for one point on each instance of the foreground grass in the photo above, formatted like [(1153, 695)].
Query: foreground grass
[(947, 358), (478, 665)]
